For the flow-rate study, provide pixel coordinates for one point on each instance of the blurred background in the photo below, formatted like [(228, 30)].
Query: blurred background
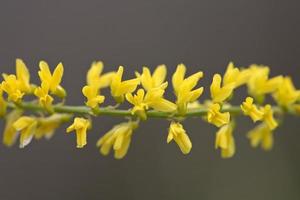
[(205, 35)]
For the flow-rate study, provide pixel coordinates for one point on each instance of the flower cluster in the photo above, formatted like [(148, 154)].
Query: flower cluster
[(145, 93)]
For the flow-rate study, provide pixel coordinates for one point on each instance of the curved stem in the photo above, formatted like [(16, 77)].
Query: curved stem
[(34, 107)]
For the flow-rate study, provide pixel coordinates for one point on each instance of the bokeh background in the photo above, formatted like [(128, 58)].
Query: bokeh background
[(205, 35)]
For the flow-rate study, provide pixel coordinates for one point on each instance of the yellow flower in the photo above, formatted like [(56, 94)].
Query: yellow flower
[(27, 127), (236, 76), (11, 86), (3, 103), (225, 141), (214, 116), (47, 126), (119, 137), (80, 125), (10, 133), (45, 99), (218, 93), (251, 110), (92, 94), (96, 78), (153, 99), (183, 88), (261, 135), (268, 117), (119, 88), (52, 80), (16, 86), (259, 82), (149, 81), (178, 134), (286, 93)]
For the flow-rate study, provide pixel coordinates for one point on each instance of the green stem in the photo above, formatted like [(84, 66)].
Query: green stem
[(84, 110)]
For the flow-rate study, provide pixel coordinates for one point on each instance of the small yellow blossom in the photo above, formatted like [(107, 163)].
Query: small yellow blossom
[(214, 116), (10, 133), (11, 86), (225, 141), (92, 94), (261, 135), (178, 134), (119, 88), (250, 109), (27, 127), (47, 126), (96, 78), (259, 82), (286, 94), (268, 117), (152, 99), (3, 103), (149, 81), (80, 125), (119, 137), (235, 75), (16, 86), (45, 99), (183, 88), (220, 93), (52, 80)]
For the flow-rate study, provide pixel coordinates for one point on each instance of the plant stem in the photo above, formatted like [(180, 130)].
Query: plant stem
[(84, 110)]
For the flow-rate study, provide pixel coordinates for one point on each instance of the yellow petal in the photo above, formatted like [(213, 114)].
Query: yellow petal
[(94, 72), (178, 77), (23, 75), (159, 75), (57, 76)]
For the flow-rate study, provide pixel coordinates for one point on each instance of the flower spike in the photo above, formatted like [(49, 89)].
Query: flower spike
[(146, 97)]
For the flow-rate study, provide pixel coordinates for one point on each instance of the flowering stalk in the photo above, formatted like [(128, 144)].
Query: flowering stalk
[(113, 112), (145, 92)]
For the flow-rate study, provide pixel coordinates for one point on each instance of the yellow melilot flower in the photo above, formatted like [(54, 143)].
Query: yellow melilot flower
[(10, 133), (92, 94), (80, 125), (250, 109), (119, 137), (152, 99), (16, 86), (259, 82), (3, 103), (225, 141), (261, 135), (95, 77), (119, 88), (47, 126), (27, 127), (11, 86), (286, 94), (96, 81), (149, 81), (183, 88), (214, 116), (235, 75), (52, 80), (45, 99), (268, 117), (178, 134), (220, 93)]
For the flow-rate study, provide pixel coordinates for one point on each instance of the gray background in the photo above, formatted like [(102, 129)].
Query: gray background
[(205, 35)]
